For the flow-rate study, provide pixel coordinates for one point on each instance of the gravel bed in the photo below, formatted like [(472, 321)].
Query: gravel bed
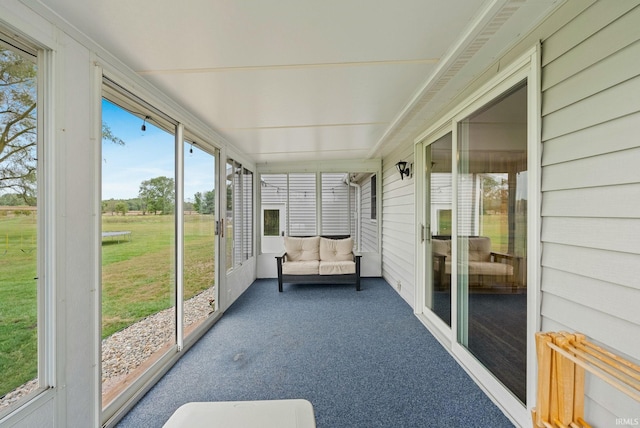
[(125, 350)]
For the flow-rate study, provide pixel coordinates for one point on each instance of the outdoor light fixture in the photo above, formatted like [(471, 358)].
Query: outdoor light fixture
[(144, 126), (403, 169)]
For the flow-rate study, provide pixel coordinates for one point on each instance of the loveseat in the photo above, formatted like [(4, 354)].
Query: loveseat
[(482, 262), (319, 259)]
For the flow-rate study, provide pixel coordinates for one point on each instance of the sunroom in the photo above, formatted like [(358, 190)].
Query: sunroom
[(482, 160)]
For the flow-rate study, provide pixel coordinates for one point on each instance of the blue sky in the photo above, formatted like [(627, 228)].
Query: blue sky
[(146, 154)]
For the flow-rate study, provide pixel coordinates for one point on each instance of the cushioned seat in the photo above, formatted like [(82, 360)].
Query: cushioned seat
[(337, 267), (318, 259), (306, 267), (481, 260)]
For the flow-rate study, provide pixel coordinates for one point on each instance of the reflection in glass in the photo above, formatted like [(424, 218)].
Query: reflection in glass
[(492, 237), (439, 202)]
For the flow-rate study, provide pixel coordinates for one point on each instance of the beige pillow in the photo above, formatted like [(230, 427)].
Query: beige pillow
[(336, 249), (302, 249), (480, 249)]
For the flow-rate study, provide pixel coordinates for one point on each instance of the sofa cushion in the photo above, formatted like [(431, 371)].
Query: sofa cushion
[(480, 249), (336, 249), (339, 267), (306, 267), (441, 246), (488, 268), (302, 249)]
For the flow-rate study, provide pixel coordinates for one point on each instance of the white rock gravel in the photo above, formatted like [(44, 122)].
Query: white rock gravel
[(127, 349)]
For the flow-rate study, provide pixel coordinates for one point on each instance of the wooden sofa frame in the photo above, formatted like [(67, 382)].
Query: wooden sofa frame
[(351, 278), (440, 259)]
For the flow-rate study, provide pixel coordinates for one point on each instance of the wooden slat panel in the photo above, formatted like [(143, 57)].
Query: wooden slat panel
[(606, 170), (609, 266), (604, 106), (597, 47), (590, 21), (609, 201), (621, 234), (598, 326), (622, 65), (597, 295), (607, 137)]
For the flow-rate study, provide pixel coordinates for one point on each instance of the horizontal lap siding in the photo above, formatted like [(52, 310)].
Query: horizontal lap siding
[(591, 186), (398, 226)]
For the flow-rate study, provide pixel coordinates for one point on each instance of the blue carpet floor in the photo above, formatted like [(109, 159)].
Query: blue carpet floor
[(361, 358)]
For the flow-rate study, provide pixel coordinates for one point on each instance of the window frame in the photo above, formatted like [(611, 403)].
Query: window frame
[(45, 239)]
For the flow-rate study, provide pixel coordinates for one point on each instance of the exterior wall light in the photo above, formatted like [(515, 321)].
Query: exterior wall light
[(404, 168)]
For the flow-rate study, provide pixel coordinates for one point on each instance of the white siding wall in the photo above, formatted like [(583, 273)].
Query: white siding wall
[(335, 204), (398, 225), (302, 205), (591, 187)]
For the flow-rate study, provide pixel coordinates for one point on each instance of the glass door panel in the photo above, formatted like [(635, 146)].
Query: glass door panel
[(138, 247), (200, 213), (439, 201), (492, 235)]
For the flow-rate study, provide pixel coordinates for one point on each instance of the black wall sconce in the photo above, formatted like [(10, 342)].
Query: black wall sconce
[(404, 168)]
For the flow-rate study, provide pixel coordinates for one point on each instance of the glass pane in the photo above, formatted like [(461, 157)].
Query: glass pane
[(247, 216), (229, 217), (18, 228), (138, 247), (365, 206), (238, 202), (302, 205), (271, 222), (492, 229), (335, 204), (439, 202), (200, 294), (273, 197)]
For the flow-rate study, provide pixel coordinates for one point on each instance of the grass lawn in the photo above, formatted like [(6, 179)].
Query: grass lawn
[(18, 301), (138, 274), (138, 280)]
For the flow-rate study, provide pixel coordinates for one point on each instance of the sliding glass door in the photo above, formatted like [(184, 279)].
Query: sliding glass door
[(492, 237), (437, 232), (159, 246), (138, 246), (200, 292)]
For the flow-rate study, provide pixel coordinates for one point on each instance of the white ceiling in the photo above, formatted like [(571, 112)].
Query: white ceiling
[(301, 80)]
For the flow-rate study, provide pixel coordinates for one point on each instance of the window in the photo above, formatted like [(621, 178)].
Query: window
[(291, 202), (200, 209), (247, 214), (239, 228), (20, 244), (138, 241), (271, 222), (302, 205), (335, 204), (374, 197)]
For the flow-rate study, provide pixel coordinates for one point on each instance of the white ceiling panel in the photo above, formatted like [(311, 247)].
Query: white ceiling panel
[(299, 80)]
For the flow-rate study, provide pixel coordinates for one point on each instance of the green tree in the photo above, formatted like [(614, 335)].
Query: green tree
[(18, 125), (121, 207), (158, 195), (205, 204)]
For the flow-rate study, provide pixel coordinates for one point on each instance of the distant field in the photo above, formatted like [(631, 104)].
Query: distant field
[(137, 274)]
